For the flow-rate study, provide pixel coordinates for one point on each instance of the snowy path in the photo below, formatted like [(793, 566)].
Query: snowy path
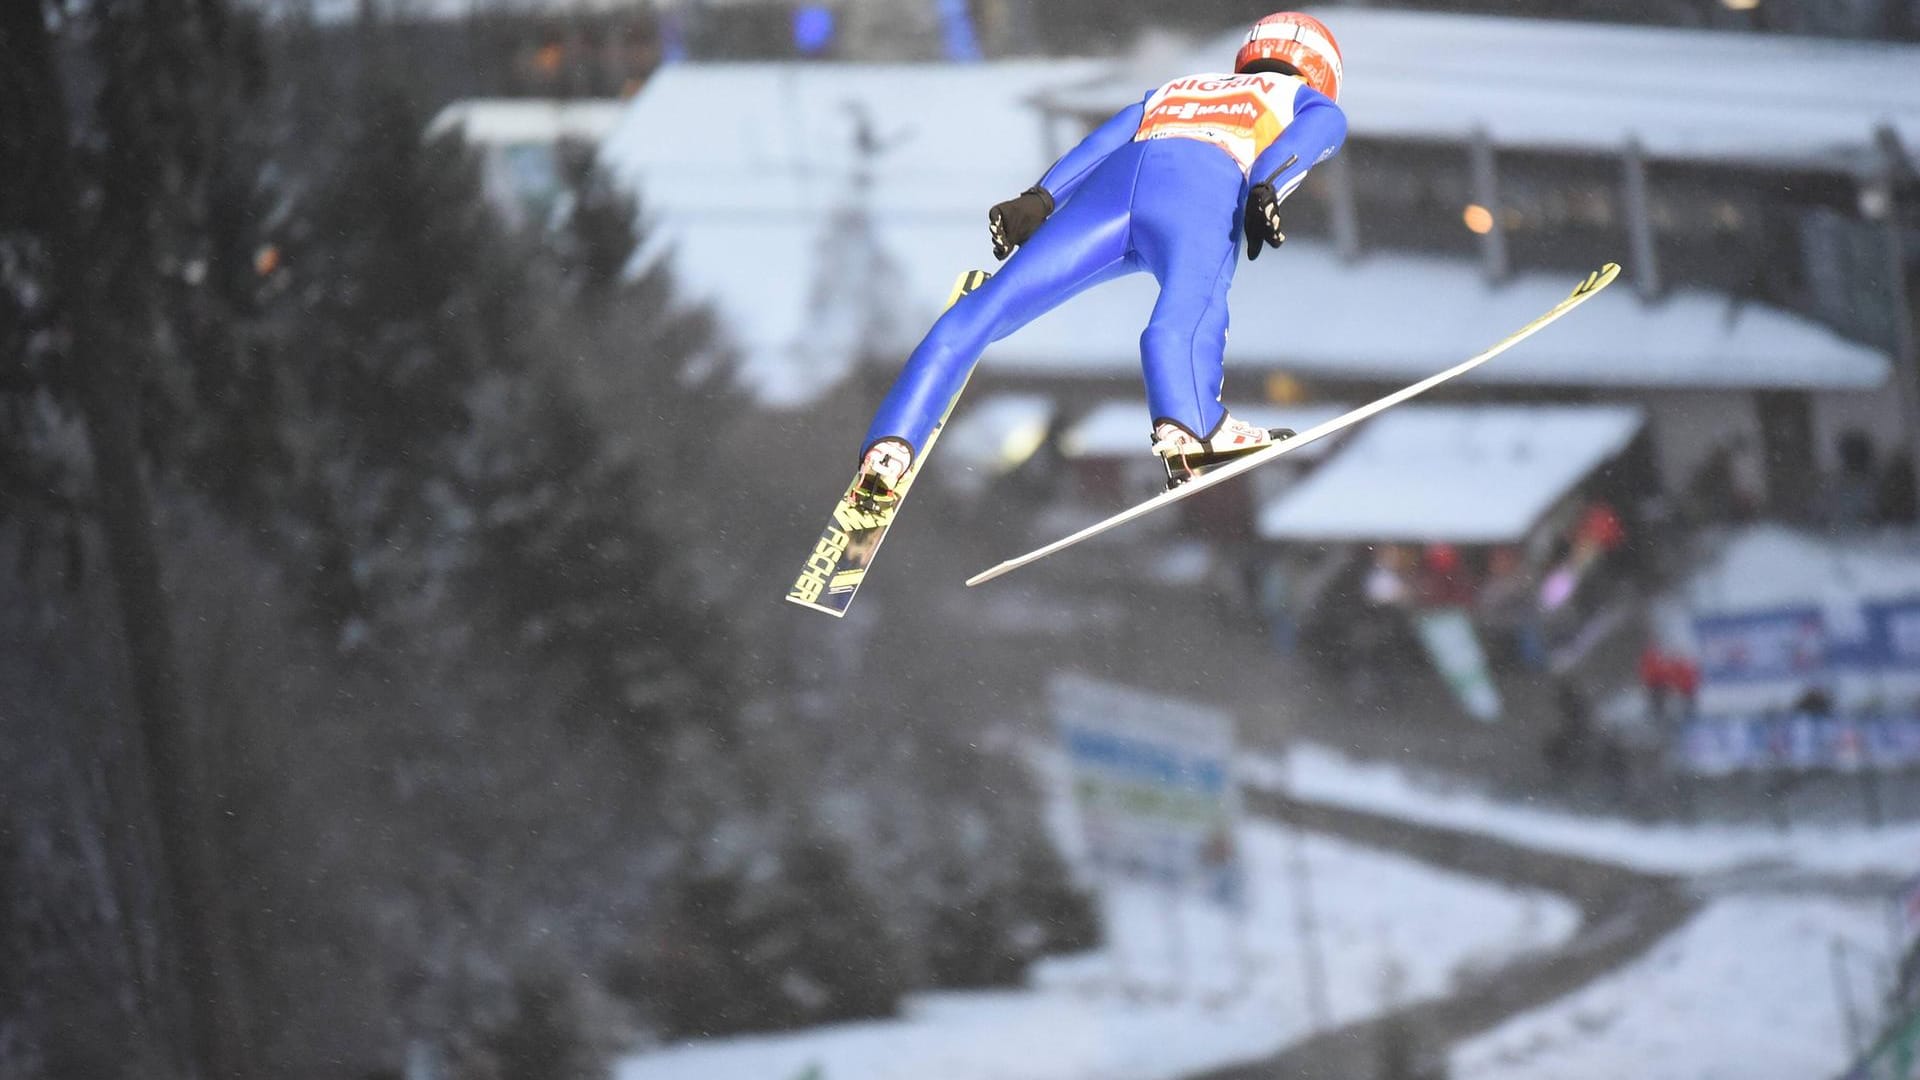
[(1625, 912), (1746, 990), (1707, 951)]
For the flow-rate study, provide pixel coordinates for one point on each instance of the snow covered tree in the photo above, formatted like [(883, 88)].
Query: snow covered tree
[(780, 939)]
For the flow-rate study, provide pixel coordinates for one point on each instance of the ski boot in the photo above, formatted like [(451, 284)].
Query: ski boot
[(1186, 455), (878, 486)]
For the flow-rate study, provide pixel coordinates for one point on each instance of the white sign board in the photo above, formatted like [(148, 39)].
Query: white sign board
[(1153, 785)]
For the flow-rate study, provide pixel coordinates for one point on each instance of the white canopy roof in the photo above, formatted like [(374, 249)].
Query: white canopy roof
[(1466, 474), (511, 121), (1773, 566), (1685, 94)]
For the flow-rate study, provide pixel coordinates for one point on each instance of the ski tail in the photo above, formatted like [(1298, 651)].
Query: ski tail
[(833, 573), (1594, 282)]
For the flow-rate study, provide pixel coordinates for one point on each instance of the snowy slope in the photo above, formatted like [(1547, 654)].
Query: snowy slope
[(1746, 991), (1390, 930)]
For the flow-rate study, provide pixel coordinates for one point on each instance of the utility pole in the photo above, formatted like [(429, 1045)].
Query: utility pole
[(1880, 201)]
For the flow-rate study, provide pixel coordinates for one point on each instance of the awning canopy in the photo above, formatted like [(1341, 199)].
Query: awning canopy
[(1463, 474)]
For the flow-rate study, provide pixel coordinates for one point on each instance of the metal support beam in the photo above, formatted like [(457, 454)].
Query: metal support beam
[(1341, 202), (1486, 192), (1880, 200), (1642, 245)]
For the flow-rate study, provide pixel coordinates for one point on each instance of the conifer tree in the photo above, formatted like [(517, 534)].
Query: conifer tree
[(113, 115)]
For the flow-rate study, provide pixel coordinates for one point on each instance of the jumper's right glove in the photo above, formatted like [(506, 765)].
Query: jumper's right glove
[(1013, 222), (1263, 220)]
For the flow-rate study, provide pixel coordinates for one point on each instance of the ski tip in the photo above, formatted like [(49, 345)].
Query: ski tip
[(1598, 280), (988, 575)]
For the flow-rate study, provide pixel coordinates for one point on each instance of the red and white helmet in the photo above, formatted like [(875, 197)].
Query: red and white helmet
[(1301, 41)]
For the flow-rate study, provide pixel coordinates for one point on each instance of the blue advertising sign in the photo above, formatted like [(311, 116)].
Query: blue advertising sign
[(1896, 633), (1723, 745), (1787, 643), (1153, 785)]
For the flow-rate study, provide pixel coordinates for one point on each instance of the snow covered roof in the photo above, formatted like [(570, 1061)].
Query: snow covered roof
[(994, 433), (743, 168), (509, 122), (1466, 474), (1306, 311), (1120, 428), (1771, 566), (1685, 94)]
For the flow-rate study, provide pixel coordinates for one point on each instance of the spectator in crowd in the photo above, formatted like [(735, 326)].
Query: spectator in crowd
[(1683, 676), (1443, 577), (1730, 484), (1849, 499), (1599, 530), (1672, 684), (1386, 581), (1565, 750), (1273, 589), (1653, 679), (1896, 502), (1814, 701), (1507, 599)]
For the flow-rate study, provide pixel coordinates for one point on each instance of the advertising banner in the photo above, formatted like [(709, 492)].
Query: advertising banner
[(1896, 633), (1789, 643), (1722, 745), (1153, 785)]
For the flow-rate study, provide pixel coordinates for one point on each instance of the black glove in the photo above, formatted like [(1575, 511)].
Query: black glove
[(1013, 222), (1263, 220)]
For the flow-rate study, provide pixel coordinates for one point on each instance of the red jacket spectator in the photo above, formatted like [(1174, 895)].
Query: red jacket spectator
[(1600, 527), (1653, 668)]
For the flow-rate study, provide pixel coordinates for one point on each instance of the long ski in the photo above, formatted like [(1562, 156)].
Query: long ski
[(834, 571), (1594, 282)]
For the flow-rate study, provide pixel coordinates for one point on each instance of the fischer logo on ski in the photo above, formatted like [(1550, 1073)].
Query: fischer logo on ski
[(838, 564)]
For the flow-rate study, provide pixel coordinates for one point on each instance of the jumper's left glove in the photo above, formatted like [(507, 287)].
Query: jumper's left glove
[(1013, 222), (1263, 220)]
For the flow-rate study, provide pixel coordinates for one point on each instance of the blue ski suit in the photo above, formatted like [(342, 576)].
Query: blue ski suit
[(1161, 188)]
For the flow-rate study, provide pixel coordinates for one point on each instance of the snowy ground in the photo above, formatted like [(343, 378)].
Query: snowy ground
[(1321, 775), (1749, 989), (1746, 991), (1389, 930)]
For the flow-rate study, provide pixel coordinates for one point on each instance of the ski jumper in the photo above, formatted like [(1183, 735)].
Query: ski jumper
[(1161, 188)]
